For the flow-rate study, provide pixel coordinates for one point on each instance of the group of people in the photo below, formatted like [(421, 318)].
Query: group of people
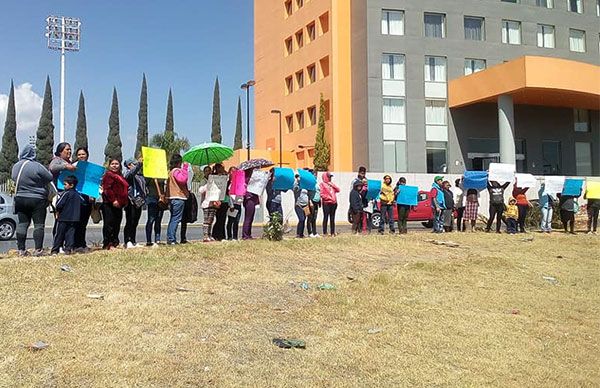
[(124, 190)]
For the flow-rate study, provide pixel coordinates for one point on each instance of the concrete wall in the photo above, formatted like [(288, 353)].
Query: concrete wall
[(415, 47)]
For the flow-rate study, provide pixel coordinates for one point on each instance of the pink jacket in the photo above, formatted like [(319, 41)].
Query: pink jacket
[(328, 190)]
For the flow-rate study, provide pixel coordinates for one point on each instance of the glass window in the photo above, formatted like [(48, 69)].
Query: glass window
[(311, 31), (289, 46), (435, 69), (436, 112), (511, 32), (551, 157), (299, 39), (597, 7), (474, 65), (435, 25), (312, 114), (288, 8), (577, 40), (289, 122), (394, 156), (394, 111), (545, 36), (312, 73), (581, 118), (436, 157), (299, 80), (392, 66), (289, 85), (474, 28), (401, 165), (300, 119), (575, 5), (545, 3), (392, 22), (583, 158)]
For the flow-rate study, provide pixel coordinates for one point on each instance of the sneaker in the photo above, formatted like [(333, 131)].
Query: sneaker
[(23, 253), (129, 245), (38, 253), (155, 245), (589, 232), (149, 244), (183, 242), (61, 251)]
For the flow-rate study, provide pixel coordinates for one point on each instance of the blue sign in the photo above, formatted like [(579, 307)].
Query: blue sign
[(307, 180), (373, 189), (407, 195), (89, 177), (573, 187), (283, 178), (475, 180)]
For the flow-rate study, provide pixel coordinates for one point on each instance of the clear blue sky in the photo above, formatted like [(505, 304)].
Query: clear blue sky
[(178, 44)]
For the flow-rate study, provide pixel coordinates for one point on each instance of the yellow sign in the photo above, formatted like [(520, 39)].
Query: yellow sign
[(592, 190), (155, 163)]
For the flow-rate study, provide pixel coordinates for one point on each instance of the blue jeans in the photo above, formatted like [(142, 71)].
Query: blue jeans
[(301, 220), (387, 217), (176, 208), (438, 221), (546, 221), (154, 219)]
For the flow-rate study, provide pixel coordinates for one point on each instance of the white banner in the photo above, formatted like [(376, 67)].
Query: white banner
[(217, 187), (258, 182), (501, 172), (525, 180), (553, 184)]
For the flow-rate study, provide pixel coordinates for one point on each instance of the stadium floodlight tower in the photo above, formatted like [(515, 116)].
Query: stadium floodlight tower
[(63, 34)]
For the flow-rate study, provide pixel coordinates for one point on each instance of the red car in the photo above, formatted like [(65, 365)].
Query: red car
[(422, 212)]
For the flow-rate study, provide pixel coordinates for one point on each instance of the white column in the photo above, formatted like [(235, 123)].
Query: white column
[(62, 84), (506, 129)]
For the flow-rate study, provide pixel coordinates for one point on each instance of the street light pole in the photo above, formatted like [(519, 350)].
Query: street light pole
[(247, 87), (278, 112)]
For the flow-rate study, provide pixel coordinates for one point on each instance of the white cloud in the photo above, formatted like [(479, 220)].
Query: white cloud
[(29, 107)]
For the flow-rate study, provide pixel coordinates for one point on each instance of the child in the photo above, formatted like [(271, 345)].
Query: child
[(68, 211), (209, 208), (448, 211), (356, 206), (403, 210), (472, 208), (386, 198), (511, 213)]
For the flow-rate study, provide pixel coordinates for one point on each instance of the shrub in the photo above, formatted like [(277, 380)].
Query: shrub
[(273, 230)]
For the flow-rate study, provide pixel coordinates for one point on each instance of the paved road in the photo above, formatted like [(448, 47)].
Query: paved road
[(94, 234)]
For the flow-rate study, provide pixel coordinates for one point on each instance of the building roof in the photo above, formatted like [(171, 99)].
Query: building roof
[(531, 80)]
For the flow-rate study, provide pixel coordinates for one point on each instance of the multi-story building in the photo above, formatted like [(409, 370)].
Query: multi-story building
[(431, 85)]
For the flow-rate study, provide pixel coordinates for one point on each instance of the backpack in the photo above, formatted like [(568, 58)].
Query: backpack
[(190, 210)]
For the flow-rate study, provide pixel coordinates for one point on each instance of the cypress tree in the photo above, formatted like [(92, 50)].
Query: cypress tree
[(142, 133), (237, 141), (113, 145), (170, 124), (322, 155), (9, 153), (45, 131), (215, 135), (81, 139)]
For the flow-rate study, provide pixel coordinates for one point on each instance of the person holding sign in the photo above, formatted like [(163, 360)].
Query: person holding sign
[(114, 199), (519, 194), (496, 192), (403, 209), (177, 194), (235, 208), (251, 201), (156, 204), (593, 208), (471, 208), (83, 155), (437, 202), (568, 207), (301, 207), (218, 232), (546, 204), (329, 202), (137, 200), (209, 207), (386, 204)]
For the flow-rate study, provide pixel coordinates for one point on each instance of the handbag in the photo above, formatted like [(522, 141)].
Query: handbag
[(307, 210), (163, 202), (96, 214), (136, 200)]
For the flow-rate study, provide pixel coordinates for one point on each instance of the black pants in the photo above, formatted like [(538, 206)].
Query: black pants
[(592, 223), (132, 220), (522, 215), (28, 209), (329, 210), (311, 223), (460, 226), (496, 210), (81, 228), (403, 211), (155, 216), (218, 232), (112, 217), (568, 219), (233, 224), (64, 236), (357, 220)]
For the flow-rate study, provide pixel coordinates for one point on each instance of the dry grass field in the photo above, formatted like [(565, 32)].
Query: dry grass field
[(404, 312)]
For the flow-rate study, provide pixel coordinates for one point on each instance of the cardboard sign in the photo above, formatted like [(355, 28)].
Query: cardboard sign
[(155, 163), (238, 183), (307, 180), (525, 180), (258, 182), (89, 177), (592, 190), (408, 195), (373, 189), (217, 187), (284, 178), (475, 180), (501, 172), (573, 187), (553, 185)]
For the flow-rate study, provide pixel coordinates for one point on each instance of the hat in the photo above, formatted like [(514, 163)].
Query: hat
[(438, 178), (130, 161)]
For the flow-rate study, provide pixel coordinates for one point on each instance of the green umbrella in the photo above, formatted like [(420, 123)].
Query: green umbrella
[(207, 153)]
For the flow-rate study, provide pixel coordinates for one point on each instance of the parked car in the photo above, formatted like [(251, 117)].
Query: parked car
[(422, 212), (8, 218)]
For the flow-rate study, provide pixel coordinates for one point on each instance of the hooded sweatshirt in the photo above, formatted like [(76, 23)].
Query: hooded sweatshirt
[(328, 190), (512, 211), (34, 179), (387, 193)]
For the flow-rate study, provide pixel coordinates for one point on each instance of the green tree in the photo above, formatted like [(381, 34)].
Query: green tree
[(322, 153), (45, 131), (10, 148), (113, 145), (170, 142), (215, 135), (169, 123), (237, 141), (81, 139), (142, 133)]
